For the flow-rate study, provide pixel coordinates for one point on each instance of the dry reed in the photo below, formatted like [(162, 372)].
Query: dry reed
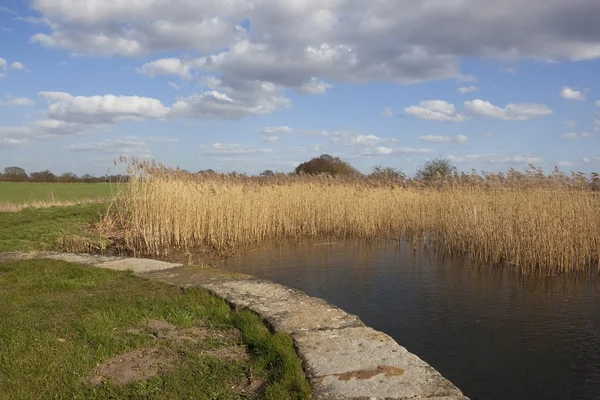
[(12, 207), (535, 221)]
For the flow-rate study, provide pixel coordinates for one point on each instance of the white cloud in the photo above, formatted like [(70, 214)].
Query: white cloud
[(277, 130), (270, 138), (174, 85), (314, 86), (598, 103), (571, 94), (311, 132), (387, 112), (489, 134), (378, 151), (102, 109), (387, 40), (7, 10), (467, 89), (219, 149), (17, 101), (497, 158), (564, 164), (3, 64), (166, 66), (585, 160), (438, 110), (386, 151), (521, 111), (18, 66), (351, 139), (444, 139), (129, 145), (574, 135)]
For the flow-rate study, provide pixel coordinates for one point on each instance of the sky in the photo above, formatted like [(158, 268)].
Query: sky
[(250, 85)]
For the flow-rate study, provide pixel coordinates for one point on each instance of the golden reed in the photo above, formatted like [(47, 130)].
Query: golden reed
[(534, 221)]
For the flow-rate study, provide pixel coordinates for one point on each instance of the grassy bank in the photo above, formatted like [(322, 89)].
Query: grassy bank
[(550, 223), (63, 323), (71, 331), (16, 196)]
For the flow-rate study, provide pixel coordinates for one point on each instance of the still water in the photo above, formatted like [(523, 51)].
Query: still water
[(495, 333)]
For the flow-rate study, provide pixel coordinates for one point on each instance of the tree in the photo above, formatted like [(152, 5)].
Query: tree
[(87, 178), (387, 173), (43, 176), (15, 174), (438, 168), (327, 164), (68, 177), (267, 172)]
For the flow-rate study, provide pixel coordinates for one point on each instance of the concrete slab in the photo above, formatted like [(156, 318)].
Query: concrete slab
[(285, 309), (357, 363), (137, 265)]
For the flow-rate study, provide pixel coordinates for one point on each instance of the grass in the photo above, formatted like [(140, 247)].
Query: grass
[(54, 228), (16, 196), (549, 223), (59, 320)]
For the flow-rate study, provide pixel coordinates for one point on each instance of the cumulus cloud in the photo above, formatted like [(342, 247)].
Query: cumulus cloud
[(521, 111), (221, 149), (575, 135), (388, 40), (444, 139), (351, 139), (166, 66), (270, 138), (438, 110), (129, 145), (585, 160), (17, 101), (276, 130), (3, 64), (18, 66), (314, 132), (467, 89), (386, 151), (314, 86), (571, 94), (102, 109), (492, 158)]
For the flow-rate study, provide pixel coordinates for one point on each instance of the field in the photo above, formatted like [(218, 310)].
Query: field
[(15, 196), (533, 221)]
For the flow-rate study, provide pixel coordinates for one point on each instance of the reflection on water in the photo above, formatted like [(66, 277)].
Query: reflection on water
[(494, 333)]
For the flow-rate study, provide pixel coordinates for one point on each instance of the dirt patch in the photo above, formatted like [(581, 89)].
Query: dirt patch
[(136, 365), (163, 330)]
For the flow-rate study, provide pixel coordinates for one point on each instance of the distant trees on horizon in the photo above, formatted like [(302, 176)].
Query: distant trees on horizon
[(18, 174)]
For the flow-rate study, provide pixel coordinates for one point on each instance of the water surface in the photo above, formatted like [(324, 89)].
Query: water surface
[(495, 333)]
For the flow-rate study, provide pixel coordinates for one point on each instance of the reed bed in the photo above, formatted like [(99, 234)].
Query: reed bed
[(534, 221)]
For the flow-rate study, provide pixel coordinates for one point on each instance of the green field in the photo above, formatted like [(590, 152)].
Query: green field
[(20, 193)]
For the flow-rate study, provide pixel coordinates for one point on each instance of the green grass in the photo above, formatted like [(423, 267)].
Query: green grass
[(59, 320), (45, 228), (19, 193)]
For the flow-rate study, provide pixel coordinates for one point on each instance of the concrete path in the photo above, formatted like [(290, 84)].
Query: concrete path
[(343, 358)]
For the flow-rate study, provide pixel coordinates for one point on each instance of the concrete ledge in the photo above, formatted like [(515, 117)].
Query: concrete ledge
[(343, 358)]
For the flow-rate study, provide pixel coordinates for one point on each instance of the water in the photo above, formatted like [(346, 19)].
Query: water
[(493, 332)]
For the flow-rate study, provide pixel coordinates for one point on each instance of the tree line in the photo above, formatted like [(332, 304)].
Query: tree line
[(18, 174)]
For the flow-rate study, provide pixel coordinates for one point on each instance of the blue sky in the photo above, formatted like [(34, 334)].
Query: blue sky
[(266, 84)]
